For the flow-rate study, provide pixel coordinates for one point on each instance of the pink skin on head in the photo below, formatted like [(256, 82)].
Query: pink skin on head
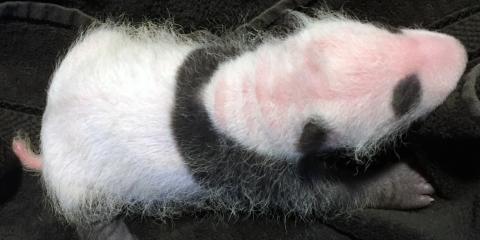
[(440, 59), (279, 91), (346, 77), (29, 160), (312, 74), (263, 91), (219, 102), (250, 104)]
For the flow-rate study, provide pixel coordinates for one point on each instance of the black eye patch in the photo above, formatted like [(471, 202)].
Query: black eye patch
[(406, 95)]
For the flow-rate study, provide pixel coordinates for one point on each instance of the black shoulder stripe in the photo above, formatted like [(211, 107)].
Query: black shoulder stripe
[(238, 177), (192, 128), (214, 159)]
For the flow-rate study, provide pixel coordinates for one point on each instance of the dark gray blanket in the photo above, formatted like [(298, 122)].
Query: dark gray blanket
[(445, 147)]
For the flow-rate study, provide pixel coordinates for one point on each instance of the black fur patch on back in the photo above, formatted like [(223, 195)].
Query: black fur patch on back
[(406, 95)]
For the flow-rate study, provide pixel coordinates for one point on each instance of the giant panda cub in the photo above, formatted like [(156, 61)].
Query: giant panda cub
[(141, 119)]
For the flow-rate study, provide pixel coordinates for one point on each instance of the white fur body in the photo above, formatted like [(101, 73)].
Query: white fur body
[(107, 142), (106, 128)]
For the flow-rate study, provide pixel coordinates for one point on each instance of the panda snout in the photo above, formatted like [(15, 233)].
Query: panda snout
[(439, 61)]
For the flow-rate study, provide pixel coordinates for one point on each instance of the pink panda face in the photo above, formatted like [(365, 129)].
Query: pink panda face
[(369, 82), (336, 83)]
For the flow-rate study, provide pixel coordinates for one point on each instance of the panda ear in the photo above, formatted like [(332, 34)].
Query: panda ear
[(314, 134)]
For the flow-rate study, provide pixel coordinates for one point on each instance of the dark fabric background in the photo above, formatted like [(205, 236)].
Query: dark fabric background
[(444, 147)]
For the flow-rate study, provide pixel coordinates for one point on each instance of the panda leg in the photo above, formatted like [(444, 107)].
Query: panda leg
[(397, 187), (112, 230)]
